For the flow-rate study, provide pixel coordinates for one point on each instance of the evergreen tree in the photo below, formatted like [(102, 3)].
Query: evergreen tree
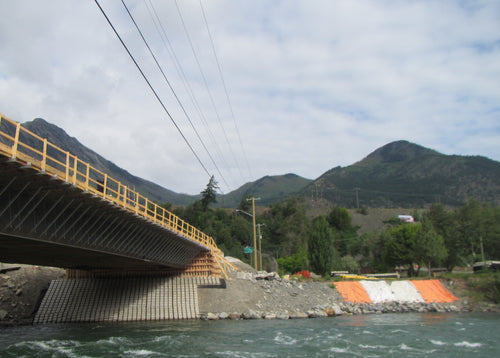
[(321, 246), (209, 195)]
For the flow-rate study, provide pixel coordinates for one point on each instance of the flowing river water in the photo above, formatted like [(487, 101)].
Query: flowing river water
[(381, 335)]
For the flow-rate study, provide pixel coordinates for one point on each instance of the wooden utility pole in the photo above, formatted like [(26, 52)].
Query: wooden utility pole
[(254, 231), (260, 245)]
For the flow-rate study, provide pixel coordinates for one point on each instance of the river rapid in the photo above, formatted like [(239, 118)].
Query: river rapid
[(381, 335)]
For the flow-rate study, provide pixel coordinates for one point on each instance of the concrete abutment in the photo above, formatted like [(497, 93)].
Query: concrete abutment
[(122, 299)]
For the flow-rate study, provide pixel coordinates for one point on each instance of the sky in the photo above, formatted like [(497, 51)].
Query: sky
[(254, 88)]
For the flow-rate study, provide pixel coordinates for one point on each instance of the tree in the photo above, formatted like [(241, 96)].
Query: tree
[(321, 246), (288, 227), (209, 195), (295, 263), (431, 248), (246, 203), (340, 220), (400, 249), (350, 264), (444, 224)]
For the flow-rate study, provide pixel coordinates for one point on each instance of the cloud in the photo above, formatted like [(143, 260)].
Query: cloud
[(311, 85)]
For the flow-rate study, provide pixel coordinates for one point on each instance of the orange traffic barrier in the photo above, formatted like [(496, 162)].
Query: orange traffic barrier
[(433, 291), (353, 291)]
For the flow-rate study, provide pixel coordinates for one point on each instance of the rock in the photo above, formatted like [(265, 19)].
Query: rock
[(321, 314), (250, 314), (282, 315), (262, 275), (234, 316), (316, 314), (3, 314), (269, 316), (223, 315), (298, 315), (337, 310), (212, 316)]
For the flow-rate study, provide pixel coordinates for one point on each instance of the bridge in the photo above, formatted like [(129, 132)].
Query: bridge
[(56, 210)]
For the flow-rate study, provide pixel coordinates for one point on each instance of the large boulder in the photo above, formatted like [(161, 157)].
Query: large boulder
[(250, 314)]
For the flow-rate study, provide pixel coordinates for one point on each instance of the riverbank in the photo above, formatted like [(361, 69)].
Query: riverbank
[(248, 295), (252, 295), (21, 289)]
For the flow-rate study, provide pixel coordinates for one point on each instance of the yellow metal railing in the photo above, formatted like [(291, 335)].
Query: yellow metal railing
[(26, 147)]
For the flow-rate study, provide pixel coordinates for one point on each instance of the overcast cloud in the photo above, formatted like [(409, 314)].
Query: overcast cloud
[(312, 84)]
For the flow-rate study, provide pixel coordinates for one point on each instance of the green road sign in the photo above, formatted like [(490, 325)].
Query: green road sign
[(248, 250)]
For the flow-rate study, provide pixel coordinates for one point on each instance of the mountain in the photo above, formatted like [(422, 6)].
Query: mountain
[(269, 189), (399, 174), (60, 138), (404, 174)]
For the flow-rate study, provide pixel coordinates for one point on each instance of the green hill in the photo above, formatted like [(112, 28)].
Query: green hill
[(406, 175), (269, 189)]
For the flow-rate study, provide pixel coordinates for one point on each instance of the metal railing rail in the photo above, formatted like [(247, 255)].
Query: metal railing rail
[(24, 146)]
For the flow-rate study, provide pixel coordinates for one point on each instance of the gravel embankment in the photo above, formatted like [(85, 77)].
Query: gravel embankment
[(21, 289), (261, 295)]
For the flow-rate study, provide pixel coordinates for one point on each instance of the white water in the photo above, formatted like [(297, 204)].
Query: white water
[(385, 335)]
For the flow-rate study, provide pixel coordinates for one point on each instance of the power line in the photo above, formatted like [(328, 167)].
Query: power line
[(151, 87), (168, 46), (225, 88), (172, 89), (206, 86)]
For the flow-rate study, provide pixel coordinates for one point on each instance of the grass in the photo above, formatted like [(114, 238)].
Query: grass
[(479, 287)]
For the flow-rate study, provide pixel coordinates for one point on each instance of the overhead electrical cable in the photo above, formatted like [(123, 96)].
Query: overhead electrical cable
[(168, 46), (207, 88), (225, 88), (172, 89), (151, 87)]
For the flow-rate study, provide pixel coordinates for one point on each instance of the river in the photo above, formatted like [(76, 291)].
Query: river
[(387, 335)]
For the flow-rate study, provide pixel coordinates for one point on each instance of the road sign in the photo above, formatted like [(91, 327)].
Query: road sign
[(248, 250)]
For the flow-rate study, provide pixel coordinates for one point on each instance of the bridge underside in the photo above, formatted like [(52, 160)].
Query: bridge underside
[(46, 221)]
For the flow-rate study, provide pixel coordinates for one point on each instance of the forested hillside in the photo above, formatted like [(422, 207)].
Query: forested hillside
[(293, 240), (403, 174)]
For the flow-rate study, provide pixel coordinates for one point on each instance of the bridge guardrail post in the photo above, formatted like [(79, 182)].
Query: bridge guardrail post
[(16, 141), (44, 156), (67, 167), (105, 185), (75, 170), (87, 177)]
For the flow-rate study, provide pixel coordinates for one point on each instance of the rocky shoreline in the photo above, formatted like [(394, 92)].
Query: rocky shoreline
[(247, 295), (307, 292)]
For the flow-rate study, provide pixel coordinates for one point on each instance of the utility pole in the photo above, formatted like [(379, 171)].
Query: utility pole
[(260, 245), (254, 231)]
